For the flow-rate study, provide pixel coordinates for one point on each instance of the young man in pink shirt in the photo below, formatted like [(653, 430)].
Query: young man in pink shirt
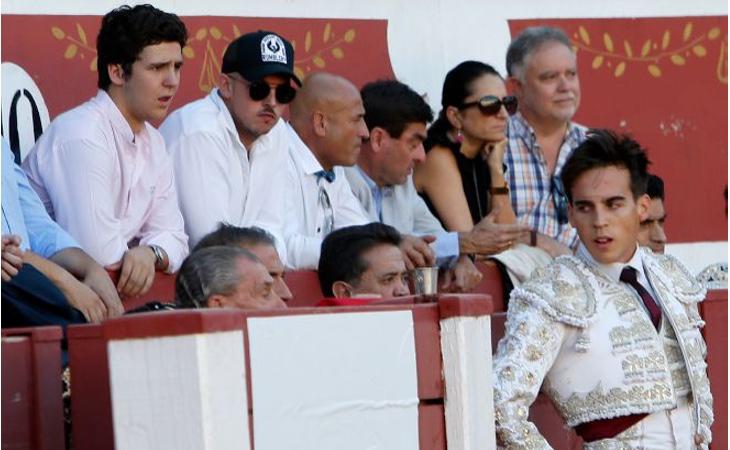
[(101, 169)]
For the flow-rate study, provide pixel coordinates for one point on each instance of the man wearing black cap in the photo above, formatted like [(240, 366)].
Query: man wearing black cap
[(227, 145)]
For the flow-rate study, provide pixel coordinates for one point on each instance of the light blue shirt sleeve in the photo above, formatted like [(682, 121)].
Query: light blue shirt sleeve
[(446, 247), (24, 214)]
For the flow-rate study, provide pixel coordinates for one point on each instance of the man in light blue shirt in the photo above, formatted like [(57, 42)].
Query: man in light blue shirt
[(46, 278), (397, 117)]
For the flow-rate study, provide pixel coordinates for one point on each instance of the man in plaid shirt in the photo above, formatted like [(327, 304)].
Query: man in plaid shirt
[(543, 75)]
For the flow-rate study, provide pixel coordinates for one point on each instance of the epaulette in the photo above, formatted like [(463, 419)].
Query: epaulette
[(564, 290), (676, 277)]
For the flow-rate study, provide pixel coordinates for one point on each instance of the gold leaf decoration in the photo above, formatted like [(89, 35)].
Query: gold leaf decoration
[(627, 48), (687, 31), (327, 33), (338, 53), (665, 40), (350, 35), (722, 63), (308, 41), (58, 33), (584, 35), (236, 31), (318, 61), (201, 34), (82, 34), (654, 50), (620, 69), (678, 60), (188, 52), (70, 51), (646, 47), (92, 64), (608, 42), (215, 32), (299, 72)]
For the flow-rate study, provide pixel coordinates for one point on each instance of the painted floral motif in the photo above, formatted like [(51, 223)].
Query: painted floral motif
[(654, 53), (209, 43)]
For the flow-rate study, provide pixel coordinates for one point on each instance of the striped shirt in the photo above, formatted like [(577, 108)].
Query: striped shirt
[(530, 183)]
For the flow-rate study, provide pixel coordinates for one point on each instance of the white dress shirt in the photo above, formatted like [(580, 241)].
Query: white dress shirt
[(107, 186), (217, 179), (613, 271), (305, 223)]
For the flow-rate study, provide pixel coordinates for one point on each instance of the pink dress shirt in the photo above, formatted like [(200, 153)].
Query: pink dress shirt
[(109, 188)]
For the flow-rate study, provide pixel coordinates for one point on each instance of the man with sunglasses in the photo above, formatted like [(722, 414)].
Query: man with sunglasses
[(543, 76), (227, 145)]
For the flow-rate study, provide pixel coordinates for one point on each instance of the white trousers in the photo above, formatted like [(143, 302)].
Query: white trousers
[(663, 430)]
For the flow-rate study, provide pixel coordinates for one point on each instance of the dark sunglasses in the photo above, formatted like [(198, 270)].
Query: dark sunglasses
[(259, 90), (490, 105)]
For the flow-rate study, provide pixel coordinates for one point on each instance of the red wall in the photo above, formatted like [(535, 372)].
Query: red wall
[(59, 52), (671, 93)]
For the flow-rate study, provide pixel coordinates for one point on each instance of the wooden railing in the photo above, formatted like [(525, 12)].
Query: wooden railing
[(32, 417)]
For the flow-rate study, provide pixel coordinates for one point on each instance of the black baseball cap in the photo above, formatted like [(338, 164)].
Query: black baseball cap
[(256, 55)]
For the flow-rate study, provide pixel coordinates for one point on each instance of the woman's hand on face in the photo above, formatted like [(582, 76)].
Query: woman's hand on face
[(494, 154)]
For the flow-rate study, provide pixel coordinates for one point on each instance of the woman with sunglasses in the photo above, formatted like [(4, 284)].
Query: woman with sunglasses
[(462, 179)]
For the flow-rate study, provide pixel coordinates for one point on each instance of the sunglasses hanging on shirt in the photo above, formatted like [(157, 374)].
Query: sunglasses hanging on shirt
[(490, 105)]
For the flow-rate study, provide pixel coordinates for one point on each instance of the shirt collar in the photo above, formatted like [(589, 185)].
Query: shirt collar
[(111, 110), (217, 100), (304, 155), (613, 270), (523, 128), (374, 188)]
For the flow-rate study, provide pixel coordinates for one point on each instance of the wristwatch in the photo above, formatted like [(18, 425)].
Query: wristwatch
[(159, 258), (499, 190)]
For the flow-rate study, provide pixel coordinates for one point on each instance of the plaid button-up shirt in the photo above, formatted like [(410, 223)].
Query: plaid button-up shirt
[(530, 183)]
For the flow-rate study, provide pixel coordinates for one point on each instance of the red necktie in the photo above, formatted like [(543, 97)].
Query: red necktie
[(628, 275)]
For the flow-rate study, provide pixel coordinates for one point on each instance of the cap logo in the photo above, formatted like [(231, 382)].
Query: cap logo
[(272, 49)]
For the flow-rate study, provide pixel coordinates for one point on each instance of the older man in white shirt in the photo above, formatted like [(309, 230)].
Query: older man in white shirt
[(226, 146), (327, 129)]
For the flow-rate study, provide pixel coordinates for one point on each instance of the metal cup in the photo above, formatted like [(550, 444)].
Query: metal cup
[(425, 280)]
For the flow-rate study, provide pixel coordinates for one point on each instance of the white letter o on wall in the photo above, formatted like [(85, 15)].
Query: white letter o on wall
[(24, 112)]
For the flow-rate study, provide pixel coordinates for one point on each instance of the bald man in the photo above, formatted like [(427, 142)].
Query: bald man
[(326, 130)]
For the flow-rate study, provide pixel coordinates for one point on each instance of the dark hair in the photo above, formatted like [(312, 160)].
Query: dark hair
[(342, 250), (227, 234), (604, 148), (655, 187), (208, 271), (529, 40), (392, 105), (126, 31), (457, 87)]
